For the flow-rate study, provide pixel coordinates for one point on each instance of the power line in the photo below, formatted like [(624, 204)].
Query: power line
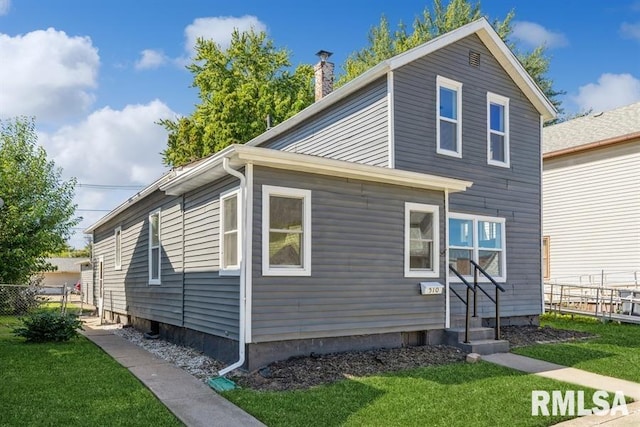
[(110, 186), (94, 210)]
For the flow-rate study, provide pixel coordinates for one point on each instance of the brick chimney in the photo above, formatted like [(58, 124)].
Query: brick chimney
[(324, 75)]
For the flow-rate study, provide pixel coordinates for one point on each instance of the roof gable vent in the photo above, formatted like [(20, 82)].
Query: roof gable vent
[(474, 58)]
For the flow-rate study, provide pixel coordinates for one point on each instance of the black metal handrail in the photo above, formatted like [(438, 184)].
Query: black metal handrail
[(495, 301), (470, 289)]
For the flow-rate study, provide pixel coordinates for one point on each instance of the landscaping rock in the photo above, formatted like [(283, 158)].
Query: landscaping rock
[(473, 357)]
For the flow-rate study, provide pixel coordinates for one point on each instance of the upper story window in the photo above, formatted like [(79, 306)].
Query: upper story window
[(117, 234), (230, 242), (449, 117), (286, 231), (477, 238), (421, 248), (497, 130), (154, 248)]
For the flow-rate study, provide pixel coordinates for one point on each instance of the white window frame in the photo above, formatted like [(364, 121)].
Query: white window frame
[(305, 195), (157, 281), (493, 98), (435, 249), (476, 245), (117, 244), (457, 86), (233, 270)]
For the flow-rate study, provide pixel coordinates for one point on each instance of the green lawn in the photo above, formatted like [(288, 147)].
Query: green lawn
[(459, 394), (70, 384), (616, 351)]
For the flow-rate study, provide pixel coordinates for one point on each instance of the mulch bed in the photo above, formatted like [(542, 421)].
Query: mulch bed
[(308, 371)]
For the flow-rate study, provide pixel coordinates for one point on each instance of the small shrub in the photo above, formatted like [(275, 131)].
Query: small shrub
[(47, 327)]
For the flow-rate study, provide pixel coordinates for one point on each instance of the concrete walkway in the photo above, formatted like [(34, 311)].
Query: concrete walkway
[(191, 400), (582, 378)]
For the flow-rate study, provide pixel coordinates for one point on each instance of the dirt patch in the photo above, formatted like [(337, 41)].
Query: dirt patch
[(308, 371), (519, 336)]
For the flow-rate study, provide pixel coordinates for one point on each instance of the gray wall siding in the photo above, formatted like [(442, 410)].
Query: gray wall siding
[(127, 290), (192, 293), (512, 193), (357, 283), (210, 300), (354, 129)]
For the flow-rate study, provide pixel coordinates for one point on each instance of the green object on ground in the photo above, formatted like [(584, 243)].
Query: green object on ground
[(221, 384)]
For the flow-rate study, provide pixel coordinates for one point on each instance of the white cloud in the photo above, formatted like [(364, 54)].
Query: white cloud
[(5, 5), (150, 58), (611, 91), (219, 29), (534, 35), (630, 31), (47, 74), (110, 147)]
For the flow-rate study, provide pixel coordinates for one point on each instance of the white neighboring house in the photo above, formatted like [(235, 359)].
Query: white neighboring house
[(67, 273), (591, 198)]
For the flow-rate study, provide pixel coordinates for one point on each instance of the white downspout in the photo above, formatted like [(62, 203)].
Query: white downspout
[(243, 281), (447, 295)]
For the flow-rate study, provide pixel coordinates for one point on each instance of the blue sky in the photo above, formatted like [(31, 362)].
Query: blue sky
[(98, 74)]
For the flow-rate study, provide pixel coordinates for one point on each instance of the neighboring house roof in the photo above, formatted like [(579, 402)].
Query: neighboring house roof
[(594, 130), (65, 265), (238, 156)]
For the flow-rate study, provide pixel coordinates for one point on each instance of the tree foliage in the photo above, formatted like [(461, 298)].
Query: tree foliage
[(238, 88), (385, 43), (38, 212)]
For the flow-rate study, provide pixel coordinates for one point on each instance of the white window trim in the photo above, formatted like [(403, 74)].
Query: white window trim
[(493, 98), (235, 269), (117, 248), (476, 248), (157, 281), (435, 253), (305, 195), (457, 86)]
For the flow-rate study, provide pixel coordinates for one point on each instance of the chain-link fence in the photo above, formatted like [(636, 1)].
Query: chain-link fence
[(18, 300)]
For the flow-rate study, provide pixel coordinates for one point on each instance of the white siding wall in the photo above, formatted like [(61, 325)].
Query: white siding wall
[(591, 206)]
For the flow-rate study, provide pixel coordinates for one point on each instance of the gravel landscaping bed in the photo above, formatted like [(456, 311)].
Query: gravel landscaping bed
[(308, 371)]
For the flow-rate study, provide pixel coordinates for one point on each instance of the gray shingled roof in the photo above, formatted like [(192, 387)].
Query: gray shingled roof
[(66, 265), (592, 128)]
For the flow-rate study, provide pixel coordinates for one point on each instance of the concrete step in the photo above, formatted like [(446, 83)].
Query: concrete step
[(456, 335), (484, 346), (459, 321)]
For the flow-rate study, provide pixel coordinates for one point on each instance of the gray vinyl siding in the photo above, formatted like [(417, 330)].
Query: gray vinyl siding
[(127, 291), (211, 301), (192, 293), (512, 193), (355, 129), (357, 283)]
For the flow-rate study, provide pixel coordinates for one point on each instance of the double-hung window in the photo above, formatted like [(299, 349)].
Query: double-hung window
[(497, 130), (449, 117), (117, 235), (286, 231), (230, 233), (421, 249), (477, 238), (154, 248)]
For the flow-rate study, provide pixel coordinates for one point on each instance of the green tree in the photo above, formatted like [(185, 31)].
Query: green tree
[(38, 211), (383, 43), (238, 89)]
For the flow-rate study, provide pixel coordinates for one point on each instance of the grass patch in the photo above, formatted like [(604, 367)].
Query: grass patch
[(458, 394), (71, 384), (615, 352)]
